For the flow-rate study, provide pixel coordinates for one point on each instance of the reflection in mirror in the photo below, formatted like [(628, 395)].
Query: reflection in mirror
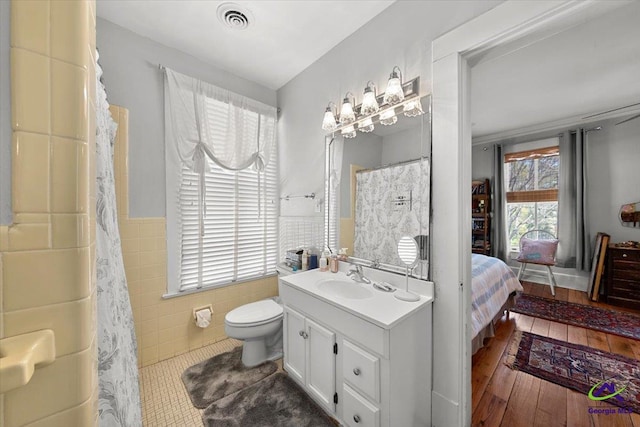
[(408, 254), (382, 192), (630, 215)]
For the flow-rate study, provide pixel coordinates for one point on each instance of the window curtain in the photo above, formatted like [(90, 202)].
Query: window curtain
[(574, 247), (203, 121), (332, 183), (499, 240)]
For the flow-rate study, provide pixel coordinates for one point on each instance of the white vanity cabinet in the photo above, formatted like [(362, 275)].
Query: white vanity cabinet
[(379, 374), (310, 356)]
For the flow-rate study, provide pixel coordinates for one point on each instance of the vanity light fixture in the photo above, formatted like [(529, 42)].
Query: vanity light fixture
[(349, 132), (329, 123), (366, 125), (384, 108), (369, 101), (394, 93), (388, 117), (346, 112)]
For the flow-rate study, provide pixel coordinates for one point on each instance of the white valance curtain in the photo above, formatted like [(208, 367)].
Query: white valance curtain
[(234, 131)]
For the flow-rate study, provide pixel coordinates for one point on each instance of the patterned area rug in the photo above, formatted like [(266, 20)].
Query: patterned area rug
[(601, 375), (274, 401), (221, 376), (586, 316)]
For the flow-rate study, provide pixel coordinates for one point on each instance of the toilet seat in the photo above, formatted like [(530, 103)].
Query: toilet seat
[(254, 314)]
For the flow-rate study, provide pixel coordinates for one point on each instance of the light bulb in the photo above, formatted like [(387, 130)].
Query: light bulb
[(348, 132), (346, 112), (329, 123), (366, 125), (369, 102), (388, 117)]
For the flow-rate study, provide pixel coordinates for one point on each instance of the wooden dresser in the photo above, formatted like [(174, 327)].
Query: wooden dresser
[(623, 277)]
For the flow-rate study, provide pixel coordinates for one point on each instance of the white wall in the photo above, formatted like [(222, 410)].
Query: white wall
[(401, 35), (614, 177), (406, 145), (133, 80), (5, 114), (365, 151)]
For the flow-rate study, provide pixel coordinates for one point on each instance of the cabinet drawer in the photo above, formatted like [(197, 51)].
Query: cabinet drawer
[(633, 275), (625, 285), (361, 370), (633, 267), (626, 254), (357, 412)]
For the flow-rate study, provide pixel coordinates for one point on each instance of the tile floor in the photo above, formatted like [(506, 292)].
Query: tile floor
[(165, 401)]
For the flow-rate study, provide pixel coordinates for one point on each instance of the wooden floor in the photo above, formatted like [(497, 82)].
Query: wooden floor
[(506, 398)]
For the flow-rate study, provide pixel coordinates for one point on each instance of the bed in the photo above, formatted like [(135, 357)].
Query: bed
[(493, 287)]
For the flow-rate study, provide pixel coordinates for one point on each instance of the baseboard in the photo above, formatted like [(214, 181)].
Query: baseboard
[(444, 412), (564, 280)]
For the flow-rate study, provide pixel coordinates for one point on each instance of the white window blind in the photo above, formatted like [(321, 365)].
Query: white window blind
[(240, 226), (221, 184)]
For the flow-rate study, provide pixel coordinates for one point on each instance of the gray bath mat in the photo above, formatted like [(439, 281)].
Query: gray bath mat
[(222, 375), (274, 401)]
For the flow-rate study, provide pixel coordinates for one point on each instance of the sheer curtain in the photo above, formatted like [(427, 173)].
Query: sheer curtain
[(207, 126), (574, 248)]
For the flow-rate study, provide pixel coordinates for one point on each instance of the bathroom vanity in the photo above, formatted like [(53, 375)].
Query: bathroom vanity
[(360, 353)]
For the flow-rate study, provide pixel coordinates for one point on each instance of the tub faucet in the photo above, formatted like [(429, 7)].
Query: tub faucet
[(357, 275)]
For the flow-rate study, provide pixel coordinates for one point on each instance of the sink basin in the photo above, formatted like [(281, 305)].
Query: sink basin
[(345, 289)]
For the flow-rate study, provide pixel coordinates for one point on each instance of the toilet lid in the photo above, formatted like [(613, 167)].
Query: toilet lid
[(254, 312)]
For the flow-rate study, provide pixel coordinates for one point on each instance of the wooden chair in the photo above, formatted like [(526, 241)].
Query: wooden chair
[(538, 247)]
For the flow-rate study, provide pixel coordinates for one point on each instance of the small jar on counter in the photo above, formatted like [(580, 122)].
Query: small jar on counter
[(333, 264)]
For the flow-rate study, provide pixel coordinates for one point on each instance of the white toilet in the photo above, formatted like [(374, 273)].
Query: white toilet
[(259, 325)]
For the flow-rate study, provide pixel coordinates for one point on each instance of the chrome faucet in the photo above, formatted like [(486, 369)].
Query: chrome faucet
[(357, 275)]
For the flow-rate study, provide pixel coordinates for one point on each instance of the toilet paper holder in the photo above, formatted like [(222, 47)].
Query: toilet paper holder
[(208, 306)]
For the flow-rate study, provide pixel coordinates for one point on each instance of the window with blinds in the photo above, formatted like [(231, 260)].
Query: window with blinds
[(239, 230), (531, 185)]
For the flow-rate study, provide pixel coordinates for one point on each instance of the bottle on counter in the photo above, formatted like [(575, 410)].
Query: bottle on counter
[(333, 263), (305, 260), (324, 261)]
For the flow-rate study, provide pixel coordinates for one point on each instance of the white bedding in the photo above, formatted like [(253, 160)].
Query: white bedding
[(491, 285)]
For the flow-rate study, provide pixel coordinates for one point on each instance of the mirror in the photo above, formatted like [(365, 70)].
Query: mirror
[(630, 214), (408, 254), (408, 251), (380, 191)]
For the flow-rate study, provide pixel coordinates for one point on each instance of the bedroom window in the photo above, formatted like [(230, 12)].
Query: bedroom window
[(531, 184)]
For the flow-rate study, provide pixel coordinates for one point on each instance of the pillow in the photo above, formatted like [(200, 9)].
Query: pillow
[(538, 251)]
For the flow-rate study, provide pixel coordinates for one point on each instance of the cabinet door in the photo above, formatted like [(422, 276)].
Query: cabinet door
[(321, 364), (294, 344)]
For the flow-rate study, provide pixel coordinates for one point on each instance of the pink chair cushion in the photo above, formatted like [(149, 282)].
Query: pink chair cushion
[(538, 251)]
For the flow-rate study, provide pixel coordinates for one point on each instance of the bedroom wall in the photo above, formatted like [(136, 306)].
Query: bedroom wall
[(133, 80)]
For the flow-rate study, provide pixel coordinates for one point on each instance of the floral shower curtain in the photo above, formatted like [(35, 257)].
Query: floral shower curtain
[(119, 394)]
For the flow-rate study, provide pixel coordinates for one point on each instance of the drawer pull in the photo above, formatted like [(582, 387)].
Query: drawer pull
[(356, 418), (304, 335), (624, 255), (356, 371)]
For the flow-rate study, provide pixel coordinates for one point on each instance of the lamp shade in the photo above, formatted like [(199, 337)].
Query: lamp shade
[(366, 125), (346, 112), (348, 132), (413, 108), (388, 118), (369, 101), (329, 122), (394, 93)]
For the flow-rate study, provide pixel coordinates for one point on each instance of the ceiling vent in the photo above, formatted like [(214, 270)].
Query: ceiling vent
[(234, 16)]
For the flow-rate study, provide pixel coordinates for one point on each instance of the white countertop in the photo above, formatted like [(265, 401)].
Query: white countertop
[(381, 308)]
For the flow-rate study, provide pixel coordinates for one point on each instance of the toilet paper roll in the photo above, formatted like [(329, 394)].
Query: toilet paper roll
[(203, 318)]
